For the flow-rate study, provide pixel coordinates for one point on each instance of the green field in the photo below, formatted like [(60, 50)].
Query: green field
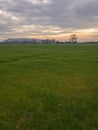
[(49, 87)]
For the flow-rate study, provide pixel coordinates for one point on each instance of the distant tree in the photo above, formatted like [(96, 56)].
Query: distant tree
[(73, 38)]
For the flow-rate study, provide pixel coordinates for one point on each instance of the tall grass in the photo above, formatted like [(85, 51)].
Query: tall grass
[(49, 87)]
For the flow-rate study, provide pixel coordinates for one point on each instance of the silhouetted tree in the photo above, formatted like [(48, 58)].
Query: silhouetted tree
[(73, 38)]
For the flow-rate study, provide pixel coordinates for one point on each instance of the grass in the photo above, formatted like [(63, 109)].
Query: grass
[(49, 87)]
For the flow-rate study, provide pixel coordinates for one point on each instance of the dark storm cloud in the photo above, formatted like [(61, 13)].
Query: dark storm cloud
[(47, 15)]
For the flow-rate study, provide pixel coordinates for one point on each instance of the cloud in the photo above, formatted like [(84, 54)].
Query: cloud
[(38, 2), (47, 17)]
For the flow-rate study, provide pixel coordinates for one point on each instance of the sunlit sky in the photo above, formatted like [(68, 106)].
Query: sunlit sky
[(49, 19)]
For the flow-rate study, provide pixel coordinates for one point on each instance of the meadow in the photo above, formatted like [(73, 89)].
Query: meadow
[(49, 87)]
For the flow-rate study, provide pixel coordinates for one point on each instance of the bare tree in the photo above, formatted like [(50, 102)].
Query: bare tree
[(73, 38)]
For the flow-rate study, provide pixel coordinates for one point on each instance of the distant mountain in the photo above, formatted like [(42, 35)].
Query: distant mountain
[(22, 40), (27, 41)]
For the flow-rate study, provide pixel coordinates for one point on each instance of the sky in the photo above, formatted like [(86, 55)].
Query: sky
[(49, 19)]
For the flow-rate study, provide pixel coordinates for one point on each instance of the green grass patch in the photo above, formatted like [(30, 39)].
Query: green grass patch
[(49, 87)]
